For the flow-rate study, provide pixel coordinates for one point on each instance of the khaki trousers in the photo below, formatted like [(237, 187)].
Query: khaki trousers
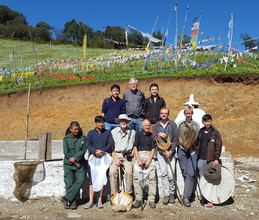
[(128, 175), (151, 182)]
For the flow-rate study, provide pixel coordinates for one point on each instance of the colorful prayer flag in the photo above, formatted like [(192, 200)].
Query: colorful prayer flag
[(195, 32)]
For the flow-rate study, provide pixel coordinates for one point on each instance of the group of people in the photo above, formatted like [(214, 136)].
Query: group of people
[(127, 132)]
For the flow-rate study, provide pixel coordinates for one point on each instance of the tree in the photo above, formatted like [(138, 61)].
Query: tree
[(42, 32), (247, 41), (136, 39), (115, 36), (74, 32), (13, 24)]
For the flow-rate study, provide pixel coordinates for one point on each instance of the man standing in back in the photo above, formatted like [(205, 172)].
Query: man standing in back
[(152, 105), (134, 99), (112, 107)]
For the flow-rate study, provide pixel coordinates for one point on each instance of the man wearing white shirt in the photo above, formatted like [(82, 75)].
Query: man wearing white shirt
[(122, 155)]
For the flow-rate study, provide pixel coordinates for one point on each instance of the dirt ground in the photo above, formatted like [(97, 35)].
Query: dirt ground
[(243, 205), (232, 101)]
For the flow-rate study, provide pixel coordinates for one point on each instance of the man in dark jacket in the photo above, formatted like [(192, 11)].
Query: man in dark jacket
[(153, 104), (209, 144)]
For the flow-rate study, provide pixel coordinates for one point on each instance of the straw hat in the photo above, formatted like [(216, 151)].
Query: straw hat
[(212, 172), (220, 189)]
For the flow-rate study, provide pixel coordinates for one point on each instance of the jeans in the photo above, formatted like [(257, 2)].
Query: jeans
[(136, 124), (110, 126), (201, 166)]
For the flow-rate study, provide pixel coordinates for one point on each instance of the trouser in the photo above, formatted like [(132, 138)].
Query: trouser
[(73, 179), (114, 175), (139, 191), (168, 185), (136, 124), (201, 166), (188, 164)]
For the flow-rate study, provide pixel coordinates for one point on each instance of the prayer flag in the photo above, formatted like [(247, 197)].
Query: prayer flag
[(195, 31), (147, 47)]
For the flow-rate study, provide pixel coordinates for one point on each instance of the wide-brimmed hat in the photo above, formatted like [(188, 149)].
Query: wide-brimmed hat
[(218, 190), (122, 117), (191, 101), (212, 172)]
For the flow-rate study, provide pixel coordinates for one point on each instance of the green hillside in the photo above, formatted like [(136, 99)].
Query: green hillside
[(63, 65)]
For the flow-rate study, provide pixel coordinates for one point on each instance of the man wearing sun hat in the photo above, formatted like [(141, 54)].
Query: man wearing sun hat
[(121, 154)]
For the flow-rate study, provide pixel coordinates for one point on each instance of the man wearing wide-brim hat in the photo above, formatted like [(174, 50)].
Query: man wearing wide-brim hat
[(121, 154)]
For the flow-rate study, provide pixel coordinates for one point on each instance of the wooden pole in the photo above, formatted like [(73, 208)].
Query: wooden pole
[(27, 123)]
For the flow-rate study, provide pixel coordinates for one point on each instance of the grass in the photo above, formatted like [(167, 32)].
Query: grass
[(102, 66)]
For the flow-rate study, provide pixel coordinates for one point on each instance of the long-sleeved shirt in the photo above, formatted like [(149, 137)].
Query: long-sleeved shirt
[(123, 140), (152, 108), (74, 147), (99, 141), (170, 129), (134, 103), (113, 108)]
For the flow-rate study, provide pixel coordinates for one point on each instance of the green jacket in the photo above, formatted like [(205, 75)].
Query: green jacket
[(74, 147)]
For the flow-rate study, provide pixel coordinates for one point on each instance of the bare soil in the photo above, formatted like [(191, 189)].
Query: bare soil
[(233, 102)]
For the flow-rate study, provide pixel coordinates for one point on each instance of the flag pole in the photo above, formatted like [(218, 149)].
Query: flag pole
[(148, 45), (176, 35), (27, 123), (184, 24)]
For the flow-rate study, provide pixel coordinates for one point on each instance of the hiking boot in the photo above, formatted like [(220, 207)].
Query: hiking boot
[(166, 200), (186, 203), (99, 205), (88, 205), (74, 205), (152, 205), (136, 204), (172, 199), (66, 203)]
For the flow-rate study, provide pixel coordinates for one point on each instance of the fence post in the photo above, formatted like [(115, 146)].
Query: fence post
[(45, 146)]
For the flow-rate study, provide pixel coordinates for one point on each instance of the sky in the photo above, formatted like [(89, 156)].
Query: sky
[(148, 14)]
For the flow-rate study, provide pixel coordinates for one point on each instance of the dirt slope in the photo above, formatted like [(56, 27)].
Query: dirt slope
[(233, 102)]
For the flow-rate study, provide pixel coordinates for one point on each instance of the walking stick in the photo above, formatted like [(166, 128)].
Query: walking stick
[(142, 194), (173, 174)]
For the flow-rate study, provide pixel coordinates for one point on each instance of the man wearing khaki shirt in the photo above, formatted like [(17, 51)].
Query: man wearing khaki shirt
[(122, 155)]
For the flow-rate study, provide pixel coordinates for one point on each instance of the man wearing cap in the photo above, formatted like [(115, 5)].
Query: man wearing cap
[(134, 99), (187, 153), (121, 155), (209, 144)]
